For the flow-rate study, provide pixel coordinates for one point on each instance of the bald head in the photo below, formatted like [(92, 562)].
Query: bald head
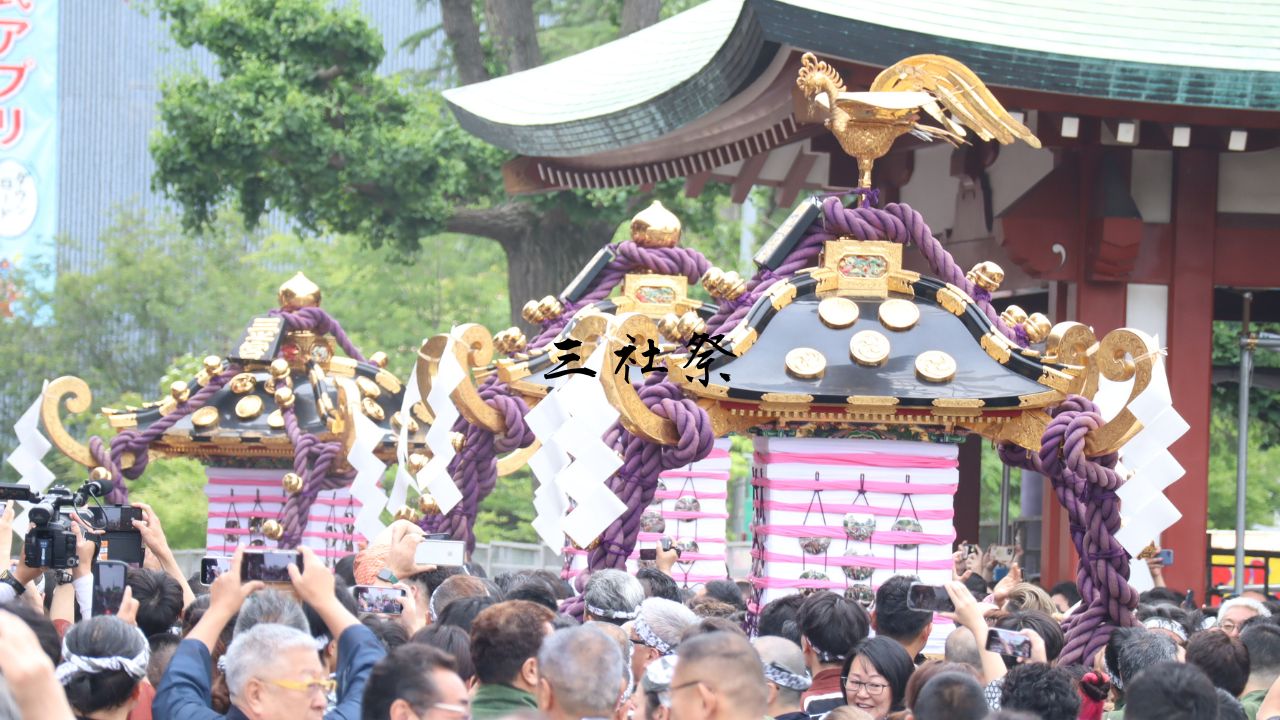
[(728, 674), (584, 669), (785, 661), (961, 647)]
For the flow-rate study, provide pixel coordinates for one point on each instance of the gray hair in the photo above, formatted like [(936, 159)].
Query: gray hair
[(271, 606), (583, 665), (612, 596), (787, 655), (259, 648), (962, 647), (1140, 649), (667, 619)]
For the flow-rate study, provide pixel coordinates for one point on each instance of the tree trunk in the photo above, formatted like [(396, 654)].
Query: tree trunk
[(464, 40), (515, 31), (638, 14), (549, 256)]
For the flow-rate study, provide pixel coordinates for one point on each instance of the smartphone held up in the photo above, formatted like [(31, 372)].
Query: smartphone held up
[(932, 598)]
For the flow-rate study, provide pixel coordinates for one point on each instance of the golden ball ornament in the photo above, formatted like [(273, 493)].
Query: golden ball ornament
[(292, 483), (273, 529)]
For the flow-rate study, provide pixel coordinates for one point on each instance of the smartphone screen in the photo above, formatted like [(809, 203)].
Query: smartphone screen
[(378, 599), (1166, 557), (1003, 554), (649, 554), (270, 566), (213, 566), (108, 587), (115, 518), (440, 552), (1008, 643), (933, 598)]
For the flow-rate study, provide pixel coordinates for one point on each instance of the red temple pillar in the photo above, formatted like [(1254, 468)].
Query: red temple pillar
[(1190, 360)]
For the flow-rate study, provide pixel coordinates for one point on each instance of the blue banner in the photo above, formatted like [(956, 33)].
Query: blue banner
[(28, 139)]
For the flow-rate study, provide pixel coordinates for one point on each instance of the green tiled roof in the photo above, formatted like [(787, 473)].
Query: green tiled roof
[(1209, 53)]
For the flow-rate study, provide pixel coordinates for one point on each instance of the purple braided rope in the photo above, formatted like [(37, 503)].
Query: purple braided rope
[(475, 468), (895, 222), (1086, 488), (320, 322), (139, 443), (637, 480), (312, 460), (630, 258)]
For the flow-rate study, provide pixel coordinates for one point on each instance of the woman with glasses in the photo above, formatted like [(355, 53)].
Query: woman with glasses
[(104, 660), (875, 676)]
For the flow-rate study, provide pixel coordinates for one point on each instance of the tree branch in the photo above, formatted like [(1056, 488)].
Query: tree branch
[(506, 223)]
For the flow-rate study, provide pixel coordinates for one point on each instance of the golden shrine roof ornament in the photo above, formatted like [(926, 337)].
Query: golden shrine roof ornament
[(868, 123)]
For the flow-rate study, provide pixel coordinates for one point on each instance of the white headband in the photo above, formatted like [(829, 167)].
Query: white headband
[(72, 663), (651, 638), (1160, 623), (614, 614), (779, 675)]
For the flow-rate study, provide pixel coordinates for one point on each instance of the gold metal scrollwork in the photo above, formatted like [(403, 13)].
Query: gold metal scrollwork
[(1122, 355), (78, 398), (473, 347), (628, 329)]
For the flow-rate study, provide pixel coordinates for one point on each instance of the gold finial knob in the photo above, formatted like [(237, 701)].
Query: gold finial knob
[(299, 292), (1037, 327), (550, 308), (530, 313), (179, 391), (427, 504), (1013, 316), (292, 483), (457, 439), (723, 285), (406, 513), (99, 474), (417, 461), (279, 368), (986, 275), (669, 326), (712, 279), (655, 227), (510, 341), (284, 397), (273, 529), (379, 358), (212, 364), (690, 324)]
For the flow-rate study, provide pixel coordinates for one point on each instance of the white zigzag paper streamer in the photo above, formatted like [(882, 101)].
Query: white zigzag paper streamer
[(1144, 510), (400, 488), (434, 477), (574, 462), (27, 457), (367, 485)]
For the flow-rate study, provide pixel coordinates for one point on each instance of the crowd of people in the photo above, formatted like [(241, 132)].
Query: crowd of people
[(611, 645)]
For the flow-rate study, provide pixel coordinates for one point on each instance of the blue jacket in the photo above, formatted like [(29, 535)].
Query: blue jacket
[(185, 691)]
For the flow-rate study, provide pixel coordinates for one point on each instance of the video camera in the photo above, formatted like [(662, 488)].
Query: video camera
[(51, 543)]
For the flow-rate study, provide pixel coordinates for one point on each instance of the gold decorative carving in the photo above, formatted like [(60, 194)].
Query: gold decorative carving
[(275, 420), (1122, 355), (898, 314), (249, 407), (786, 398), (1013, 316), (780, 294), (1038, 327), (805, 363), (867, 123), (242, 383), (997, 346), (368, 388), (935, 366), (862, 268), (205, 419), (298, 292), (953, 299), (472, 347), (869, 348), (838, 312), (986, 275), (378, 359)]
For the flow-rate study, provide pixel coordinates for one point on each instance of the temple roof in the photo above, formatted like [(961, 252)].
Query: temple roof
[(1211, 54)]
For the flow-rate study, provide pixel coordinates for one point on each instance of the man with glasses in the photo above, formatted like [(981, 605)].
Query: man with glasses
[(656, 631), (273, 672), (718, 677), (416, 682)]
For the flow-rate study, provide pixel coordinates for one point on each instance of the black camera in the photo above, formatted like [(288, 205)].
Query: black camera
[(51, 543)]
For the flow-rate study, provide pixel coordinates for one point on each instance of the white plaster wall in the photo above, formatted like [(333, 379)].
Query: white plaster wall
[(1151, 184), (1249, 182), (932, 190)]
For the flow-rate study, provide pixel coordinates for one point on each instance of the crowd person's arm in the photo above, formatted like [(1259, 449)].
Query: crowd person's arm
[(1157, 571), (82, 574), (410, 618), (358, 648), (186, 690), (968, 615), (6, 532), (29, 672), (1005, 586), (405, 537), (153, 535), (664, 560)]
